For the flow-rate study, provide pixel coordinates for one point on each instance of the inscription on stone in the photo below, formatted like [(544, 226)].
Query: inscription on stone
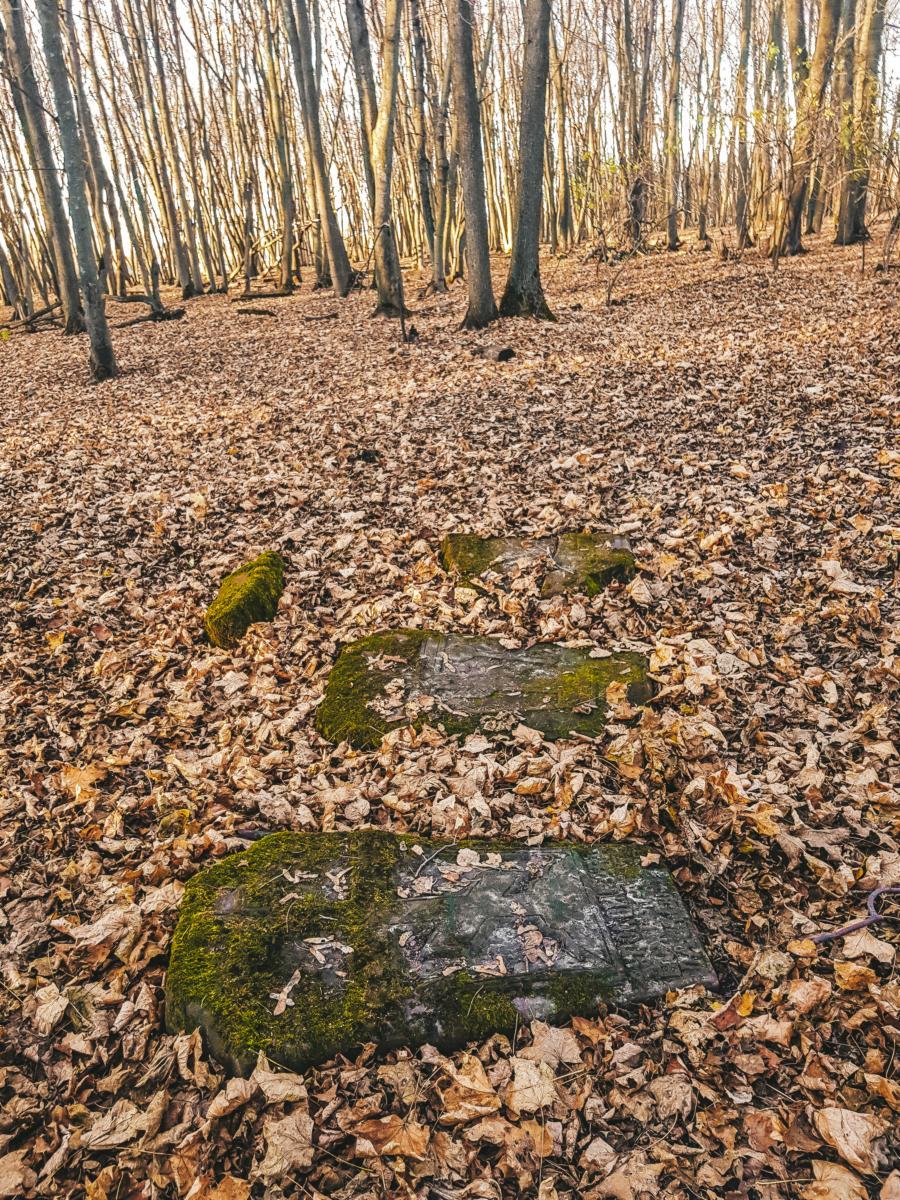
[(309, 945), (415, 676)]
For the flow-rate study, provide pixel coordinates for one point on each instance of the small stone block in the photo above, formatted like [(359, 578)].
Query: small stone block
[(247, 595), (310, 945), (571, 562)]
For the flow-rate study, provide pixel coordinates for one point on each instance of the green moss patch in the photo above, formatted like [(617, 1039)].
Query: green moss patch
[(310, 945), (247, 595), (414, 677), (572, 562)]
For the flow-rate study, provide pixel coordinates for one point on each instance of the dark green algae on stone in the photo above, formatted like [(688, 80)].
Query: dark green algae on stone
[(418, 676), (572, 562), (247, 595), (310, 945)]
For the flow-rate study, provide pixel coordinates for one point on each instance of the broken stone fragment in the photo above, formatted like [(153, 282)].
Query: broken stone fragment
[(417, 677), (498, 354), (310, 945), (249, 594), (571, 562)]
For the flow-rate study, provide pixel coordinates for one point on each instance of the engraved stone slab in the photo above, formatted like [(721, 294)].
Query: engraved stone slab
[(571, 562), (416, 676), (310, 945)]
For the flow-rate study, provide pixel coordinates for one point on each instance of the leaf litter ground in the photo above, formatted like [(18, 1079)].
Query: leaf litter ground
[(741, 428)]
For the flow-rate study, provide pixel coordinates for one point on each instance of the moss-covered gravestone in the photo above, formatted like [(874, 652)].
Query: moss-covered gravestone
[(416, 676), (247, 595), (571, 562), (309, 945)]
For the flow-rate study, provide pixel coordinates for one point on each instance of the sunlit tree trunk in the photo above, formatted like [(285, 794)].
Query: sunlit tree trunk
[(103, 361), (26, 99), (297, 22), (387, 263), (482, 308), (524, 295), (742, 214), (673, 134)]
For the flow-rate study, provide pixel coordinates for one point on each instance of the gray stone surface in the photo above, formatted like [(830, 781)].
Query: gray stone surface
[(416, 676), (568, 562), (308, 945)]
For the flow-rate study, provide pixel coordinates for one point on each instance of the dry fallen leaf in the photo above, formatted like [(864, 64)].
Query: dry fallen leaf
[(16, 1177), (470, 1095), (833, 1182), (805, 995), (597, 1155), (673, 1094), (120, 1125), (852, 1135), (391, 1135), (532, 1086), (863, 943), (277, 1087), (233, 1095), (633, 1179), (851, 977), (289, 1147), (552, 1045)]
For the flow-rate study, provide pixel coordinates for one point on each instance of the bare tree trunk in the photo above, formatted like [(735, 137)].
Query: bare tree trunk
[(297, 22), (673, 133), (365, 86), (26, 99), (811, 80), (742, 214), (439, 253), (103, 362), (866, 60), (423, 163), (565, 231), (482, 308), (524, 295), (387, 263)]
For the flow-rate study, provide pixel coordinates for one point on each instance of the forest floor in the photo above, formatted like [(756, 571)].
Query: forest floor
[(741, 427)]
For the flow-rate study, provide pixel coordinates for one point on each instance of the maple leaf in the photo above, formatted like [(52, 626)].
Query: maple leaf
[(391, 1135), (289, 1146), (532, 1086), (470, 1095)]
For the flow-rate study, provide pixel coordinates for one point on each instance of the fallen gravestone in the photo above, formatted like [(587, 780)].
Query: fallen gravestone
[(249, 594), (573, 562), (416, 677), (310, 945)]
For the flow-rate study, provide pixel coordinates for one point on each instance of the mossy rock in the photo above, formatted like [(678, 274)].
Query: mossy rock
[(417, 676), (247, 595), (572, 562), (310, 945)]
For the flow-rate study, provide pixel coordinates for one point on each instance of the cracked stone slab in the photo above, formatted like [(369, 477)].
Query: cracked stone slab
[(569, 562), (311, 945), (416, 677)]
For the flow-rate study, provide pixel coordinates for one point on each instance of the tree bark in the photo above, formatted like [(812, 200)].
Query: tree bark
[(103, 361), (524, 295), (673, 133), (26, 99), (742, 213), (811, 80), (296, 16), (387, 263), (482, 309)]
